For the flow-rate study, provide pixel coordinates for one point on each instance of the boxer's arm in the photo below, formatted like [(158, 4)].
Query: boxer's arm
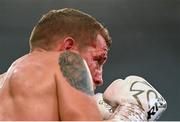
[(75, 89)]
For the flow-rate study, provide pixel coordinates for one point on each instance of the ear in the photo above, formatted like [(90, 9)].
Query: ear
[(67, 43)]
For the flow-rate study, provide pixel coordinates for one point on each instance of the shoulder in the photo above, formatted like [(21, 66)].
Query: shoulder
[(33, 71), (2, 75), (2, 79), (75, 71)]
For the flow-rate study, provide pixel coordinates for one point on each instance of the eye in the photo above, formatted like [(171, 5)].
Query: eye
[(99, 59)]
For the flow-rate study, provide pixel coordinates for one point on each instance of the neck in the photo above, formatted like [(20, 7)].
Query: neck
[(38, 50)]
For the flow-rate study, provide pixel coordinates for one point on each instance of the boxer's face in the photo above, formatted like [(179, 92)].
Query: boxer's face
[(95, 56)]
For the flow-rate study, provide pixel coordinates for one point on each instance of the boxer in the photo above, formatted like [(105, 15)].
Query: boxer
[(57, 78)]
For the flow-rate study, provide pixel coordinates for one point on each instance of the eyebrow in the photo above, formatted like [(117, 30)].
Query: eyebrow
[(105, 48)]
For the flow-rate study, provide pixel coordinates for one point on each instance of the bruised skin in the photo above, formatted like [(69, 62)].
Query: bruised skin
[(95, 56)]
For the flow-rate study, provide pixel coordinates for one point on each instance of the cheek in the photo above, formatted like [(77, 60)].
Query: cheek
[(90, 63), (92, 66), (96, 70)]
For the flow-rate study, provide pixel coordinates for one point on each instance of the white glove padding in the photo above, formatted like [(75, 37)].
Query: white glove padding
[(120, 112), (134, 99), (105, 109)]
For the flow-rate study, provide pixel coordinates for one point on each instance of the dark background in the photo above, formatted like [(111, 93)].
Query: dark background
[(145, 34)]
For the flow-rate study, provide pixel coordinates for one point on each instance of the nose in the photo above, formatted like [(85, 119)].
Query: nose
[(98, 82)]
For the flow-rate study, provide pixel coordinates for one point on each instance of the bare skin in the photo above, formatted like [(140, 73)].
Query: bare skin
[(2, 76), (36, 86)]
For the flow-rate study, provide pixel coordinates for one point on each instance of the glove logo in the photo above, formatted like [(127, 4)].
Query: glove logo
[(140, 91), (153, 100)]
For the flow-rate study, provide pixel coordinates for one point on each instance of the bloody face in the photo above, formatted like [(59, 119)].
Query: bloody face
[(95, 56)]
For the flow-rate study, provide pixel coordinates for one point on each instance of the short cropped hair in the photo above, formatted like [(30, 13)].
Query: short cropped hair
[(82, 27)]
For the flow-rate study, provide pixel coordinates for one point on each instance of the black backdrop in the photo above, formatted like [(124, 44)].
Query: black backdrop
[(145, 36)]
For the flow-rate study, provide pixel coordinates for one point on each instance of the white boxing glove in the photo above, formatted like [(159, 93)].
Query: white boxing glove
[(105, 109), (120, 112), (132, 99)]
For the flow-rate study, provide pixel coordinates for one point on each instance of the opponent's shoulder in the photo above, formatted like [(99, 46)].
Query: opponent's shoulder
[(33, 74), (37, 61), (2, 75), (35, 67)]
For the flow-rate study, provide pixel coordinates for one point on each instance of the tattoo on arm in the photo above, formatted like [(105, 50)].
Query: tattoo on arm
[(74, 69)]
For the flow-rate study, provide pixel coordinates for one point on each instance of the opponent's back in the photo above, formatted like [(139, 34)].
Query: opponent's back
[(29, 90)]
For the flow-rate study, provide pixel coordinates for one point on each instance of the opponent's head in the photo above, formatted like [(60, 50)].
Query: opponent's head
[(70, 29)]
